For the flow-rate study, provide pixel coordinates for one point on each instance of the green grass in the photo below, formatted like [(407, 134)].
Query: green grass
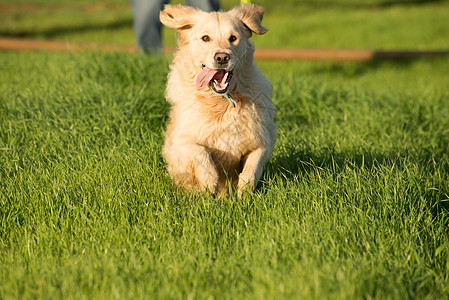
[(353, 204), (391, 27), (372, 24)]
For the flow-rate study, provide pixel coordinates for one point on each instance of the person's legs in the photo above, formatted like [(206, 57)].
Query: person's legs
[(206, 5), (147, 27)]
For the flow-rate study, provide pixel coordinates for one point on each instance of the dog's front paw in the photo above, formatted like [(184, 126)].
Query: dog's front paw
[(246, 183), (208, 179), (211, 184)]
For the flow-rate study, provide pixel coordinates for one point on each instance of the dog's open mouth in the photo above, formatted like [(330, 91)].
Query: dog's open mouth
[(217, 79)]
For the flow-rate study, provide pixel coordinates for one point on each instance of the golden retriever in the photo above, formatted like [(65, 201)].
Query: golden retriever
[(221, 131)]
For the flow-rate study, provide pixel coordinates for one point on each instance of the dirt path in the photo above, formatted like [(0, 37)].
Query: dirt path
[(13, 44)]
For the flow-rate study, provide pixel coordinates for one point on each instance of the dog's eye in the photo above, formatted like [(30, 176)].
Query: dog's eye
[(206, 38), (233, 38)]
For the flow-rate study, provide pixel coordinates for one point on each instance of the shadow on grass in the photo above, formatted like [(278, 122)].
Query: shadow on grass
[(64, 30), (293, 162)]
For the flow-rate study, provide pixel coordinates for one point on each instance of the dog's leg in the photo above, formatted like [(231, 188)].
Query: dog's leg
[(252, 169), (195, 162)]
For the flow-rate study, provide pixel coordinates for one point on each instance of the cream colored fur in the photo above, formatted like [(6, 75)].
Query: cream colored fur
[(208, 142)]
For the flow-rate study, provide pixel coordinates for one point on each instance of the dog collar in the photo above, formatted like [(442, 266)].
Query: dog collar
[(229, 97)]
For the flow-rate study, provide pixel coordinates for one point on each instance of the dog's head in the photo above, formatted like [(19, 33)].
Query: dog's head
[(215, 44)]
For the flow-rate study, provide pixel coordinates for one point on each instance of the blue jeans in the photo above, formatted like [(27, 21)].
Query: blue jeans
[(147, 27)]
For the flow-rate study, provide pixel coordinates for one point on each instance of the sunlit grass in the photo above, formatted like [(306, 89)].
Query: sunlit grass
[(353, 203)]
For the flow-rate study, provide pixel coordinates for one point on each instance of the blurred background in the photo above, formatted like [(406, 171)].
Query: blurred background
[(325, 24)]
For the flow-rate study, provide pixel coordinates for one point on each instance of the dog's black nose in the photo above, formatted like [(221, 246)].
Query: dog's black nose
[(222, 58)]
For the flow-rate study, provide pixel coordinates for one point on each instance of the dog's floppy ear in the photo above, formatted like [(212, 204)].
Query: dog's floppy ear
[(178, 16), (251, 15)]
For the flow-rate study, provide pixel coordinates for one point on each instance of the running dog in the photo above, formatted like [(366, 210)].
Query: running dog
[(221, 131)]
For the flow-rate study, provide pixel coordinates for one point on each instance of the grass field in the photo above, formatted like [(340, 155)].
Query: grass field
[(354, 203), (372, 24)]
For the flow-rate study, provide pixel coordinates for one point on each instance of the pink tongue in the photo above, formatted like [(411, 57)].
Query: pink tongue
[(205, 76)]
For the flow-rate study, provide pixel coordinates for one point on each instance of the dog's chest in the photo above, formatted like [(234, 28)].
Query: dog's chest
[(235, 133)]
